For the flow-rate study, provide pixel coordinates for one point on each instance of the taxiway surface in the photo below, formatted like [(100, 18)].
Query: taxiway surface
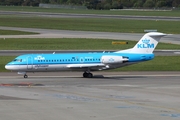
[(49, 33), (70, 15), (108, 96)]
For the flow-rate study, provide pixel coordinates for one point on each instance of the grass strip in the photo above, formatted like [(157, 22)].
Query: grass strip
[(3, 61), (13, 32), (91, 24), (173, 13), (70, 44), (159, 63)]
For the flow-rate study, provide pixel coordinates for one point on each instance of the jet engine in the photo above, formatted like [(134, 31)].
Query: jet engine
[(113, 59)]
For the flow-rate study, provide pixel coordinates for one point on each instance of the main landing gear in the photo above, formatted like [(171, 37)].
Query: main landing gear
[(87, 75)]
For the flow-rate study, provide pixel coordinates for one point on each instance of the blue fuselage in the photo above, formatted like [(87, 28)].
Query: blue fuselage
[(52, 62)]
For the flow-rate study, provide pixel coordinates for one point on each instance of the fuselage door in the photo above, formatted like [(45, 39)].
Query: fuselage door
[(29, 62)]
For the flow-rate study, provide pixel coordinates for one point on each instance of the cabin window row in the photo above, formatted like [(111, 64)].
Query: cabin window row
[(68, 60), (57, 60), (92, 59)]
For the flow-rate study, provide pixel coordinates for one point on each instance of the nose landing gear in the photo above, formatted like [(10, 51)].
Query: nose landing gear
[(23, 73), (25, 76)]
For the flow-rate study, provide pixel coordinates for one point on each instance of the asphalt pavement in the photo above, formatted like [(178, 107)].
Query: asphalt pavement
[(107, 96)]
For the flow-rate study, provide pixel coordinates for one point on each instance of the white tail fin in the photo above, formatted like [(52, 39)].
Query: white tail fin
[(146, 44)]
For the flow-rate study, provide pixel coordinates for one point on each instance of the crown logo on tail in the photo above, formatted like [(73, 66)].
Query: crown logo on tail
[(146, 41)]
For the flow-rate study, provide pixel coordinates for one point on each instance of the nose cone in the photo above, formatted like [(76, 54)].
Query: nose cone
[(10, 67)]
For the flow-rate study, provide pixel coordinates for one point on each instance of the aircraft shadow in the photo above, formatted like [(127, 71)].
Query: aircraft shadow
[(116, 77)]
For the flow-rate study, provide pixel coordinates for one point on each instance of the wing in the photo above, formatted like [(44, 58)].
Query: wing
[(92, 67)]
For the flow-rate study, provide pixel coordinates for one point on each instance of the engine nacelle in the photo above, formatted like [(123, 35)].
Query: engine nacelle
[(109, 59)]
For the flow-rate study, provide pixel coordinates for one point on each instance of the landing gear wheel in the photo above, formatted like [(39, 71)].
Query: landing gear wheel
[(87, 75), (90, 75), (25, 76)]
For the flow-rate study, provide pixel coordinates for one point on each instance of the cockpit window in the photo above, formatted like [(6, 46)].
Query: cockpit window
[(17, 60)]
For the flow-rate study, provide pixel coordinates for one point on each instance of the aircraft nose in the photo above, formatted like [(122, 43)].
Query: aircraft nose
[(9, 67)]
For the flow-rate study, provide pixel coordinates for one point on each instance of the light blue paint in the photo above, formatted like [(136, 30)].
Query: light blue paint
[(145, 44), (74, 58)]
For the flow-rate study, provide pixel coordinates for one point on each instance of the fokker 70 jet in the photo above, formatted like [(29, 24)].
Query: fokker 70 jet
[(87, 62)]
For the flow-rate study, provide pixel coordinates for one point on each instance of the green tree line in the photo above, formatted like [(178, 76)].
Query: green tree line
[(99, 4)]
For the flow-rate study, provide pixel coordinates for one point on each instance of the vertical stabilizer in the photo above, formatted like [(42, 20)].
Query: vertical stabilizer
[(146, 44)]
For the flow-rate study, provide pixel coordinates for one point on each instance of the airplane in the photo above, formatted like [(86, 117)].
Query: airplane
[(87, 62)]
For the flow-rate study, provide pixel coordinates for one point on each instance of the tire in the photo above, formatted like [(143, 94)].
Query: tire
[(90, 75), (25, 76)]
